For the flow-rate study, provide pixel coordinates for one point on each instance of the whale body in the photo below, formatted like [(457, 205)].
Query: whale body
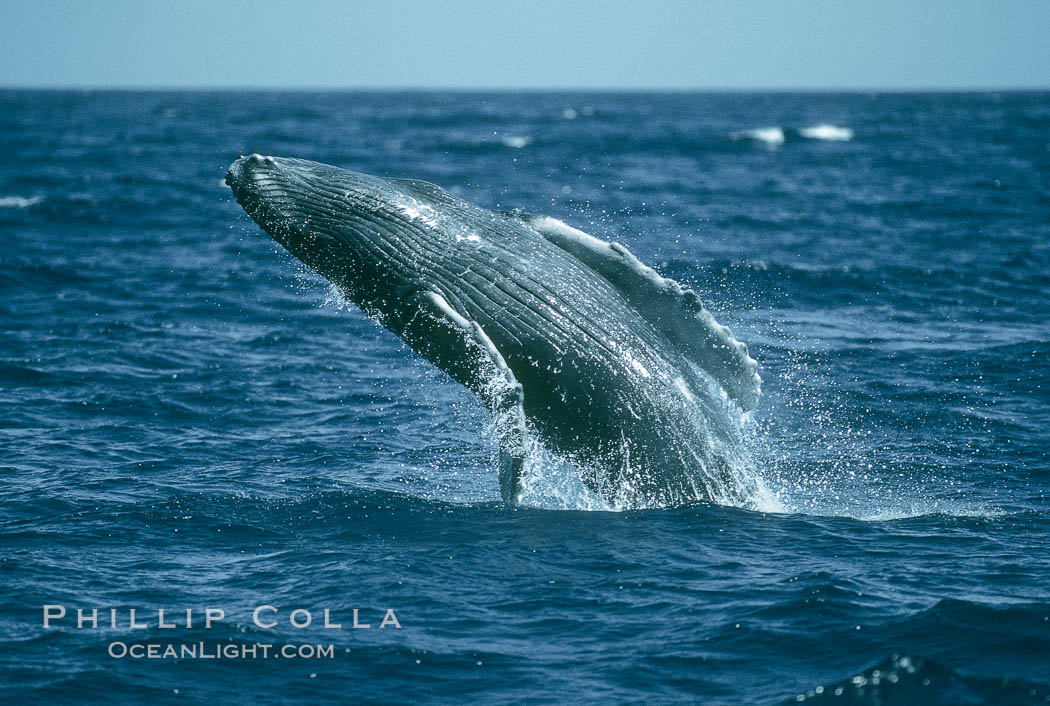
[(566, 338)]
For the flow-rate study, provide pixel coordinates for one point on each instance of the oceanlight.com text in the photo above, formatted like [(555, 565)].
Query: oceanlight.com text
[(218, 650)]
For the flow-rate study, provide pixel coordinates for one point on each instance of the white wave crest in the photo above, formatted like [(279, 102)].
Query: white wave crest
[(516, 141), (770, 136), (825, 131), (19, 201)]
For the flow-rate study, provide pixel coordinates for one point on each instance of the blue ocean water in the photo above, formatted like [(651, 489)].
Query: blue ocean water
[(190, 420)]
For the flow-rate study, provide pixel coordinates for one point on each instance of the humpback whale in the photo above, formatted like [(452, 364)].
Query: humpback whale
[(568, 340)]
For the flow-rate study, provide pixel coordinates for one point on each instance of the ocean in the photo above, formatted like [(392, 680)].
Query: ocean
[(191, 421)]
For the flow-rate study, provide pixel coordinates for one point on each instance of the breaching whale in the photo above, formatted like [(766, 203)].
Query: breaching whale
[(566, 338)]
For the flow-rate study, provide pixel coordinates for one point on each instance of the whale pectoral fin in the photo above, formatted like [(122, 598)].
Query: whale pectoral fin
[(461, 348), (674, 310)]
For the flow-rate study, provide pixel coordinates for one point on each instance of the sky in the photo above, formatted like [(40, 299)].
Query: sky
[(527, 44)]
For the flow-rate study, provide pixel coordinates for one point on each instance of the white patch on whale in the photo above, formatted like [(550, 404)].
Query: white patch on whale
[(419, 212)]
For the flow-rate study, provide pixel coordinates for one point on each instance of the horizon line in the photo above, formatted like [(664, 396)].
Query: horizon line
[(521, 89)]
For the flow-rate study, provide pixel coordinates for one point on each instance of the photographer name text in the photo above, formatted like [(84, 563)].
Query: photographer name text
[(265, 617)]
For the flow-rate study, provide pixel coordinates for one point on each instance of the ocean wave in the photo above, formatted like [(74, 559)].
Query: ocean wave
[(33, 273), (516, 141), (737, 283), (774, 136), (906, 679), (769, 136), (828, 132), (182, 427), (19, 201), (571, 113)]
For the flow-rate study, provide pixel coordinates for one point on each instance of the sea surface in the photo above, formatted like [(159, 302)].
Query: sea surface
[(191, 420)]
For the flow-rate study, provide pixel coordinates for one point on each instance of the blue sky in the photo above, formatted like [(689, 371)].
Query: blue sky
[(818, 44)]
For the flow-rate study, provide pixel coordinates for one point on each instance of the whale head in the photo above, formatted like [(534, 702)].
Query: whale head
[(371, 237)]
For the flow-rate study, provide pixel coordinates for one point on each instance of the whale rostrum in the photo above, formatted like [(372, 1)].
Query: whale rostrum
[(566, 338)]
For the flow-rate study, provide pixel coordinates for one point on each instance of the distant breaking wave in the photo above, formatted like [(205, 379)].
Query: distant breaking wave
[(771, 136), (517, 141), (825, 131), (774, 136), (19, 201)]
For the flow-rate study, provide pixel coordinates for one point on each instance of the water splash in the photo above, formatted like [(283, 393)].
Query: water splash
[(820, 455), (555, 481)]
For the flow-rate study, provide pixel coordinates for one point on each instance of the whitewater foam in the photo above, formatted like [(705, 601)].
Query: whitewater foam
[(19, 201), (827, 132), (516, 141), (769, 136)]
